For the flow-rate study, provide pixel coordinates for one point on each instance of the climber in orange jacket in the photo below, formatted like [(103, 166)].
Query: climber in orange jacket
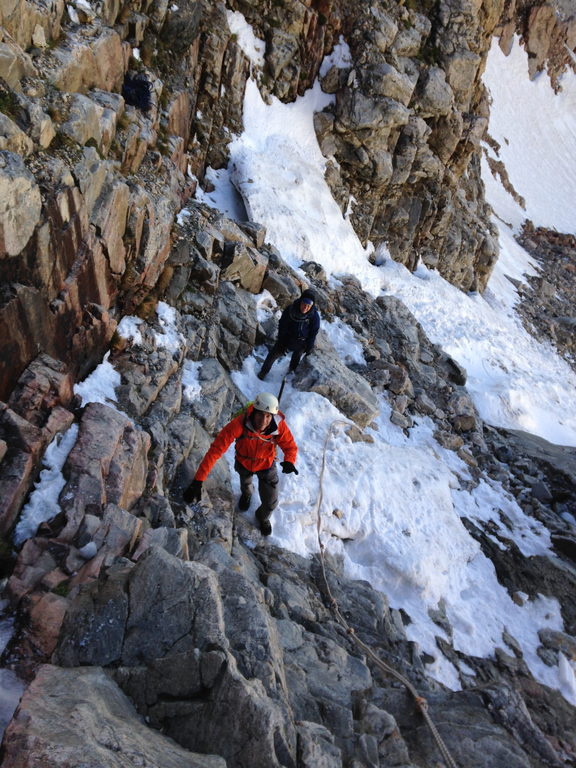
[(257, 431)]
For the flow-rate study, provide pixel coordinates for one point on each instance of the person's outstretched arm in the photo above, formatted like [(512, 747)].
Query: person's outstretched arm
[(288, 445), (220, 445)]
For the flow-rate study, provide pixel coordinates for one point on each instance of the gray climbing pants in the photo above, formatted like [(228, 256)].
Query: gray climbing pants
[(267, 487)]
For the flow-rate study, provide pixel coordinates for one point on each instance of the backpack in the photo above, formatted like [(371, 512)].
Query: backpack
[(137, 92)]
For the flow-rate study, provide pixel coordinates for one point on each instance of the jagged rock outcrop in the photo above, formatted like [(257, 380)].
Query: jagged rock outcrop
[(548, 30), (405, 126), (409, 114), (548, 297)]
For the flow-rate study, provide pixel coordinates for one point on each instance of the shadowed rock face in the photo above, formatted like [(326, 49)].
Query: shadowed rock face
[(547, 299), (96, 725)]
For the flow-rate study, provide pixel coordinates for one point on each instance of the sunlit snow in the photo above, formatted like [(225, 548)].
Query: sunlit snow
[(247, 40), (43, 504), (190, 382), (537, 144), (391, 510)]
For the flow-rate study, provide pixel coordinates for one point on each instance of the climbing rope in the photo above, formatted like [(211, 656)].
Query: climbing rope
[(421, 702)]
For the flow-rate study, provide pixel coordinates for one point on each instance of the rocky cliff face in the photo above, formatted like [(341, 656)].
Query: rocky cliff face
[(548, 31), (228, 649), (131, 603)]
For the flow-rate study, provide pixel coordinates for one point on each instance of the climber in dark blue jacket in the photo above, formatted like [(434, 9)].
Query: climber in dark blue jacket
[(297, 332)]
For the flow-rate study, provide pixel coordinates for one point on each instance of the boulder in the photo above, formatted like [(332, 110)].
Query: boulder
[(114, 534), (108, 464), (173, 540), (90, 173), (26, 444), (541, 22), (407, 42), (94, 63), (73, 717), (144, 376), (283, 50), (45, 384), (357, 111), (20, 204), (12, 138), (324, 372), (15, 64), (248, 267), (561, 459), (109, 215), (183, 615), (47, 613), (83, 121), (461, 70), (462, 412), (235, 336), (316, 748), (384, 80), (42, 128), (282, 287), (435, 94)]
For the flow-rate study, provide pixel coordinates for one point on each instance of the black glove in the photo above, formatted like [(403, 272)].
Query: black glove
[(193, 492), (288, 467)]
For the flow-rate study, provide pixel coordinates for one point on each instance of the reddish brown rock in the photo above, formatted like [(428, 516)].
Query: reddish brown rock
[(46, 383), (108, 464), (46, 616), (34, 562), (26, 444)]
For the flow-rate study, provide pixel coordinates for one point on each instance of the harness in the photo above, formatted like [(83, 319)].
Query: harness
[(270, 440)]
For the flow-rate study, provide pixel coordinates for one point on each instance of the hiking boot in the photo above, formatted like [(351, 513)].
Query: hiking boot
[(244, 502), (265, 527)]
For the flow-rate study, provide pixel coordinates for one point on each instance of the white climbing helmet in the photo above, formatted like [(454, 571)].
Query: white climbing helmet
[(266, 402)]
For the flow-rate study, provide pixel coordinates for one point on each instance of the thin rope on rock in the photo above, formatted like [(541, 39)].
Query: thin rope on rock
[(421, 702)]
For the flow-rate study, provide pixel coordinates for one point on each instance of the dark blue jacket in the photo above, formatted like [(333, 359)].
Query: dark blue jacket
[(297, 331)]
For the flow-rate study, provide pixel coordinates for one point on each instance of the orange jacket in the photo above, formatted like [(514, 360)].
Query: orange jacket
[(254, 450)]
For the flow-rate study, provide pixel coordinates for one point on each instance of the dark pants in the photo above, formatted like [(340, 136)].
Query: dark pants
[(267, 488), (279, 350)]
